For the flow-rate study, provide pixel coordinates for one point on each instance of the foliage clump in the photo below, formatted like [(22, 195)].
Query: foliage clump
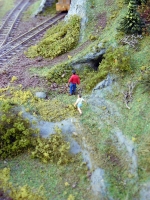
[(49, 110), (132, 22), (116, 61), (15, 134), (146, 80), (59, 39), (54, 149), (61, 73), (138, 2), (24, 192)]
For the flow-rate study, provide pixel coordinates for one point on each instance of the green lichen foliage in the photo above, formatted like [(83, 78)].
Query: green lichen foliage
[(15, 132), (53, 149), (59, 39)]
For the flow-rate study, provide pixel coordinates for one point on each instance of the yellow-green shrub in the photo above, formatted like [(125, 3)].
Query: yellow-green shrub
[(58, 40), (53, 149), (15, 132)]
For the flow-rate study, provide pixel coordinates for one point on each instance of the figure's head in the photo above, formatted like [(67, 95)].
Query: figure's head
[(79, 95), (73, 71)]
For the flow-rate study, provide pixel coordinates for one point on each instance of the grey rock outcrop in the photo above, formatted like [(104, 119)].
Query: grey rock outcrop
[(145, 191), (91, 59), (41, 95), (43, 5), (106, 82)]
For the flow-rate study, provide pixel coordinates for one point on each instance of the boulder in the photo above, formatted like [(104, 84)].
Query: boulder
[(91, 59), (41, 95)]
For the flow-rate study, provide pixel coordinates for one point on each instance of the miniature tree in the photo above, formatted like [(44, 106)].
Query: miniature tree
[(132, 22), (138, 2)]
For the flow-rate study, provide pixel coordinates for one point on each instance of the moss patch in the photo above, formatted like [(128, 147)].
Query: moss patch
[(58, 182)]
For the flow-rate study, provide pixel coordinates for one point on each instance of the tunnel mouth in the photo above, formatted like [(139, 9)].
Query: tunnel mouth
[(96, 62)]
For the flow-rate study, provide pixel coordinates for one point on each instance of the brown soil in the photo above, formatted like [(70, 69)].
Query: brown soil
[(20, 65), (101, 21)]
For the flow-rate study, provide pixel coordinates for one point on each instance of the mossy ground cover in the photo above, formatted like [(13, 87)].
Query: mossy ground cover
[(137, 127), (105, 154), (113, 9), (31, 10), (58, 182)]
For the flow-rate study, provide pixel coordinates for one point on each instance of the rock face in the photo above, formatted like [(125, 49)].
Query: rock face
[(78, 7), (145, 191), (41, 95), (43, 5), (91, 59)]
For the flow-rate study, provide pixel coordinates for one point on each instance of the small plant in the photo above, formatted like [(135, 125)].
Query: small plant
[(92, 37), (54, 149)]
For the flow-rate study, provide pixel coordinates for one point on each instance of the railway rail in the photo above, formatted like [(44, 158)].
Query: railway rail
[(10, 49), (11, 22)]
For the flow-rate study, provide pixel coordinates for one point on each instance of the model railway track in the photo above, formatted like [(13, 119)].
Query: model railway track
[(23, 41), (11, 22)]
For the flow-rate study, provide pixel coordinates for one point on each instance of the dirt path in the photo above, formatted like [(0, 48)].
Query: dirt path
[(20, 66)]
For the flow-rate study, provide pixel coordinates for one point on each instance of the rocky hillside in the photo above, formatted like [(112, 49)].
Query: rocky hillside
[(111, 138)]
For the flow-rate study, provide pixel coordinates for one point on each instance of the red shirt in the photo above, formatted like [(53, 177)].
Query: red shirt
[(74, 79)]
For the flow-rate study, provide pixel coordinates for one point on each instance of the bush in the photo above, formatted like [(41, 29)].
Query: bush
[(59, 74), (15, 134), (54, 149), (58, 40)]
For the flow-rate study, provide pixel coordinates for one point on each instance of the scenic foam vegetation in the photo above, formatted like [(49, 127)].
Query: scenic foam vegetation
[(112, 135)]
